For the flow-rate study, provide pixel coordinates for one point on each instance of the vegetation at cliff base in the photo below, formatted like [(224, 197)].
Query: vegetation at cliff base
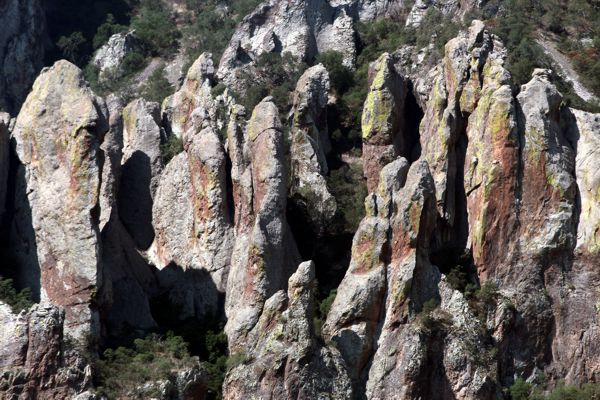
[(123, 371), (522, 390)]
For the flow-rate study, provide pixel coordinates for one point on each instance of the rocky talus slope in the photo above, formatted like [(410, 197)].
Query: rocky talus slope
[(475, 262)]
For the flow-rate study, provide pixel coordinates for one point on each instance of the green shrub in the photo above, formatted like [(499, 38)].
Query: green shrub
[(73, 47), (157, 88), (121, 371), (17, 300), (348, 186), (171, 148), (276, 75), (106, 30), (340, 76), (322, 310), (155, 27), (520, 390)]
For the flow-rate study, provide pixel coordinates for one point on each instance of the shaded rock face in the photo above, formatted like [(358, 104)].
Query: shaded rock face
[(310, 144), (303, 29), (141, 167), (4, 159), (508, 177), (194, 229), (22, 44), (283, 358), (58, 135)]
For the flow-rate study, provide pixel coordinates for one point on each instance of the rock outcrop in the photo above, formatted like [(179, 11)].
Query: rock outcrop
[(109, 58), (303, 29), (282, 358), (264, 253), (383, 120), (310, 145), (58, 135), (193, 96), (22, 48), (194, 228), (4, 159), (36, 361)]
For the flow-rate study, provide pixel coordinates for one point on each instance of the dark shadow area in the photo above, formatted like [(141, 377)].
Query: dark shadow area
[(188, 303), (65, 17), (413, 114), (435, 384), (135, 199), (18, 252)]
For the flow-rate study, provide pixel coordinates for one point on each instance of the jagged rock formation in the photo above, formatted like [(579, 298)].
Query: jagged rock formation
[(192, 219), (141, 166), (282, 358), (303, 29), (109, 58), (383, 120), (36, 362), (22, 44), (193, 97), (454, 8), (310, 145), (58, 133), (475, 263), (264, 252)]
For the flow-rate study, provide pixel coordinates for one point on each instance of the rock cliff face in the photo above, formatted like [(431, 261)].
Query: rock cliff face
[(475, 263), (282, 358), (309, 148), (303, 29), (58, 134), (22, 43)]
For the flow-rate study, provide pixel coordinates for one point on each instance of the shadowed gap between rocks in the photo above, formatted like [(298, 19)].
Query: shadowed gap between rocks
[(413, 114), (13, 265), (135, 199)]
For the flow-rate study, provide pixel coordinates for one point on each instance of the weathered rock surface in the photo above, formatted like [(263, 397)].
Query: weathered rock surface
[(310, 144), (303, 29), (282, 358), (383, 120), (35, 360), (193, 224), (193, 95), (58, 135), (109, 58), (22, 43), (452, 8), (264, 252)]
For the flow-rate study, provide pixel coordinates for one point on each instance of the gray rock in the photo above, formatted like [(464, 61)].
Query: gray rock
[(310, 143), (109, 58), (58, 135)]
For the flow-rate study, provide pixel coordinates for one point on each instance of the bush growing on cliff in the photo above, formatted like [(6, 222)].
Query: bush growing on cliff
[(155, 28), (171, 148), (17, 300), (157, 88)]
